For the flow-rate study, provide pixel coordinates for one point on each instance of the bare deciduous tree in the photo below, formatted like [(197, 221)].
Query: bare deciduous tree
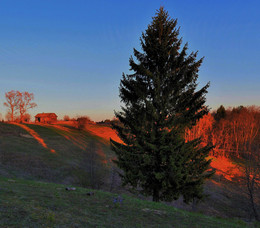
[(24, 102), (202, 129), (11, 103), (249, 140), (251, 179)]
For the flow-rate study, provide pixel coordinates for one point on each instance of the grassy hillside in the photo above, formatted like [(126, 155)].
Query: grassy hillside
[(36, 204), (54, 153), (63, 154)]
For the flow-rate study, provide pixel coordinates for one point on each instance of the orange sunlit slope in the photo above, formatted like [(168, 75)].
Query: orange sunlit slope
[(71, 136), (225, 167), (35, 135), (79, 140), (104, 132)]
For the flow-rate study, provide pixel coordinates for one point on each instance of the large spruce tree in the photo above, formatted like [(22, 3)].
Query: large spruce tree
[(161, 101)]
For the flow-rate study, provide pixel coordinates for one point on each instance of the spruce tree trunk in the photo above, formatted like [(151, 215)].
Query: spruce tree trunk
[(155, 195)]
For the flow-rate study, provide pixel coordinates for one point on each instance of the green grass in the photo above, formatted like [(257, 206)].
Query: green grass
[(71, 164), (25, 158), (26, 203)]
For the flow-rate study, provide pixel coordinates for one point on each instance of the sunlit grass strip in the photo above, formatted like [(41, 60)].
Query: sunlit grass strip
[(35, 136)]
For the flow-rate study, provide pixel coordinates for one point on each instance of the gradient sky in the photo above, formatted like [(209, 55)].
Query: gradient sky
[(71, 54)]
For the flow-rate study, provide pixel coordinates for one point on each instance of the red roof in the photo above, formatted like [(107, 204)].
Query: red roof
[(46, 115)]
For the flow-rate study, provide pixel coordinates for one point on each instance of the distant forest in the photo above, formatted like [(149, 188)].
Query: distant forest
[(234, 131)]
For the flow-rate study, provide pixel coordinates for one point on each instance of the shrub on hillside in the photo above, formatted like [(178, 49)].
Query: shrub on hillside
[(66, 118), (81, 122), (27, 117)]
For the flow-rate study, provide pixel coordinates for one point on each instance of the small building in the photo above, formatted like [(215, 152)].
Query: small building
[(45, 118)]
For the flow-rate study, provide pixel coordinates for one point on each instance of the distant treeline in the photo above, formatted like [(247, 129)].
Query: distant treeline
[(234, 131)]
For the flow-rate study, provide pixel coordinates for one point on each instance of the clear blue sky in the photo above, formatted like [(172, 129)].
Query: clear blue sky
[(71, 54)]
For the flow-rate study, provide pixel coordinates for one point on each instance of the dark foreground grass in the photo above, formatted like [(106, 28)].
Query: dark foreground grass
[(26, 203)]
